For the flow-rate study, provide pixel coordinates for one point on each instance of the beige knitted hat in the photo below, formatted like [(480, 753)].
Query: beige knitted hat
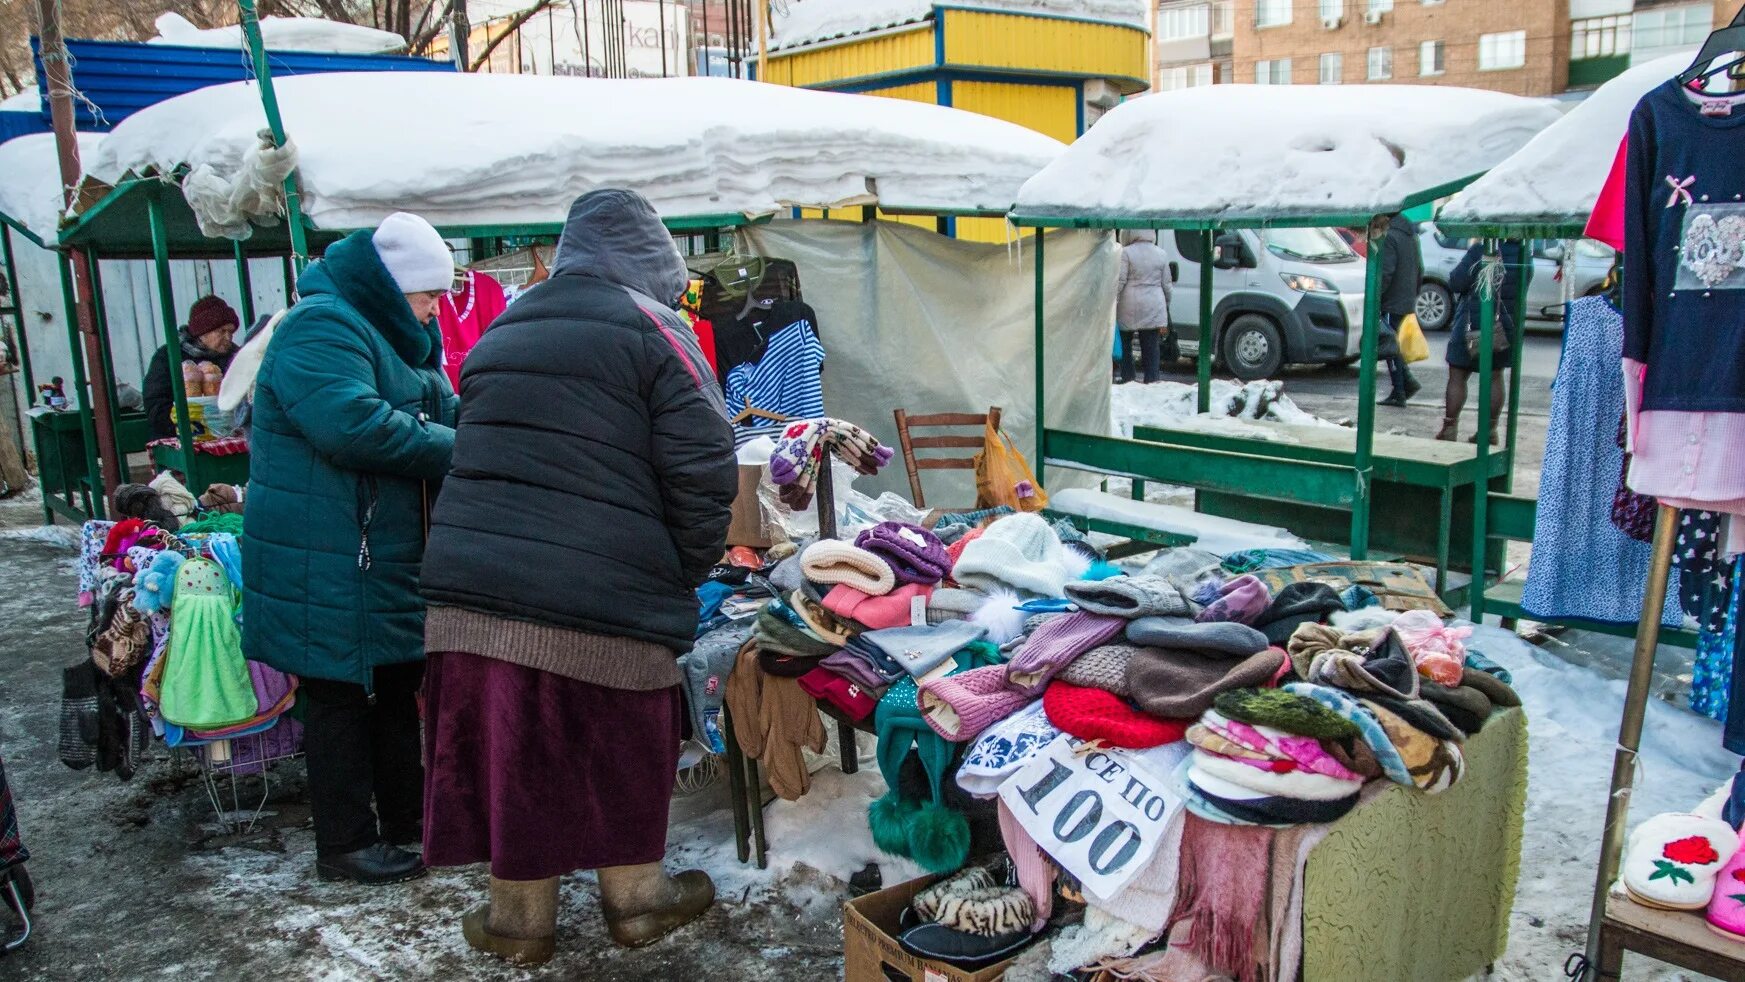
[(832, 562)]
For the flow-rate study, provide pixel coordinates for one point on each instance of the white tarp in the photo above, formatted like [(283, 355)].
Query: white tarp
[(810, 21), (518, 149), (31, 193), (1278, 151), (912, 320), (1557, 176), (282, 34)]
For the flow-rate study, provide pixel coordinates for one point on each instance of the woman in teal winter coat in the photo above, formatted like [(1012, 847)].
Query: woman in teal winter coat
[(353, 428)]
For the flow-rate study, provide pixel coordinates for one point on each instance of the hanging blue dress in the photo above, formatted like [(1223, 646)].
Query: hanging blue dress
[(1583, 568)]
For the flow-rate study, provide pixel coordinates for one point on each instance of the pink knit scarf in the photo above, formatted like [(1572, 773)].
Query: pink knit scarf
[(1225, 871)]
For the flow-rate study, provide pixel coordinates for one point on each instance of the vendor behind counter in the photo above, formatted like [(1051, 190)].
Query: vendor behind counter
[(208, 339)]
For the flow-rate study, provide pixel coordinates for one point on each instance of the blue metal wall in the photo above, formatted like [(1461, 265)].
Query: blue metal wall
[(22, 123), (119, 78)]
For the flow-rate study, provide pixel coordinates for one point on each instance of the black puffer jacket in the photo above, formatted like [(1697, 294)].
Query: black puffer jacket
[(1402, 267), (593, 464)]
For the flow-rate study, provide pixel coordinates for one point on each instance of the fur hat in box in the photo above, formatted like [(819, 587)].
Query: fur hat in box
[(830, 562), (1671, 861), (1018, 552), (915, 554), (1093, 714)]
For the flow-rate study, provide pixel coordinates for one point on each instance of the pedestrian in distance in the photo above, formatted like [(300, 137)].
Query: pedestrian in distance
[(352, 431), (1142, 306), (1463, 332), (1402, 272), (593, 482)]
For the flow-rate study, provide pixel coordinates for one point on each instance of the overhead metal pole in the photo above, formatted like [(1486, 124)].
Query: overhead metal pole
[(95, 504), (1040, 341), (263, 73), (245, 284), (57, 71)]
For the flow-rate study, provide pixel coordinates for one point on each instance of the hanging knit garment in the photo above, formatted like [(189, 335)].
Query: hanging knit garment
[(785, 381), (206, 682)]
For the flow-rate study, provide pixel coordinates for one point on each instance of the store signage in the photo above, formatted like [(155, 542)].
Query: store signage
[(1098, 812)]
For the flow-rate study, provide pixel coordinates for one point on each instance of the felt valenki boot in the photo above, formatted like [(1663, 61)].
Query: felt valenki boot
[(642, 904), (519, 924)]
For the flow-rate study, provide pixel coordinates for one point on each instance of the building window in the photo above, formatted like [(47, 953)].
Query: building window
[(1599, 37), (1381, 64), (1223, 18), (1332, 68), (1179, 23), (1185, 77), (1272, 13), (1505, 50), (1274, 72), (1430, 55), (1379, 7), (1332, 11), (1667, 28)]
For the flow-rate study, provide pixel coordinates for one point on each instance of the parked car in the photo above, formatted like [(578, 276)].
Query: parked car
[(1282, 295), (1544, 294)]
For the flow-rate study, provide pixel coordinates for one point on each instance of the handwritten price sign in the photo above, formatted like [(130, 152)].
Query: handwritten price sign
[(1098, 813)]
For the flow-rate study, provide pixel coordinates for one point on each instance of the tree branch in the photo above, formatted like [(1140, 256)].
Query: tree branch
[(514, 25)]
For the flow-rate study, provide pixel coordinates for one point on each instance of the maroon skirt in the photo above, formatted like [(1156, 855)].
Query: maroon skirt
[(541, 775)]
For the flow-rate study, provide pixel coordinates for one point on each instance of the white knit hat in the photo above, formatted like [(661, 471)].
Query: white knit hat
[(1018, 551), (416, 257)]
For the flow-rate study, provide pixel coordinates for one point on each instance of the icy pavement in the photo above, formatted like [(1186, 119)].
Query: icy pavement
[(134, 884)]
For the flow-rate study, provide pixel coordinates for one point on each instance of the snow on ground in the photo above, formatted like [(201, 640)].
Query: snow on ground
[(808, 21), (1176, 404), (519, 148), (1224, 151), (30, 180), (1557, 176), (282, 34), (1572, 725)]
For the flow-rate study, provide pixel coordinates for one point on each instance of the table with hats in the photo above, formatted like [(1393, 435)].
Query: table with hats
[(1191, 765)]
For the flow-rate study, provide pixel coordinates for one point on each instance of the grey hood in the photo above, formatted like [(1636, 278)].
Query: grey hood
[(616, 235)]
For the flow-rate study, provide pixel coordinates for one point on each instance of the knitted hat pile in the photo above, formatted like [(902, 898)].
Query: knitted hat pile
[(1003, 748), (1216, 637), (1433, 763), (830, 562), (1018, 552), (919, 650), (819, 621), (1271, 749), (1297, 604), (960, 706), (1129, 596), (782, 631), (1183, 684), (952, 604), (1369, 727), (1054, 645), (876, 613), (824, 685), (914, 554), (1242, 600), (1280, 783), (1103, 667), (1094, 714), (1382, 668), (1245, 805), (858, 669), (1286, 711)]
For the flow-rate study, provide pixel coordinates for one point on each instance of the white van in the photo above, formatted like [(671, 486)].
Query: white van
[(1282, 295)]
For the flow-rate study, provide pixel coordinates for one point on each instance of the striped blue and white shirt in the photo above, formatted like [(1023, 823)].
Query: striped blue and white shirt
[(785, 381)]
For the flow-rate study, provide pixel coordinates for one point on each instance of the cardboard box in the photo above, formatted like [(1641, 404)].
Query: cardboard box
[(748, 527), (869, 942)]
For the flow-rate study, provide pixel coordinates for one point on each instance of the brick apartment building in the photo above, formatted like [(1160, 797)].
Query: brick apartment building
[(1525, 47)]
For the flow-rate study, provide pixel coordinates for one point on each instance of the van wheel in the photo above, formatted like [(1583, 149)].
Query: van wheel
[(1252, 348), (1434, 307)]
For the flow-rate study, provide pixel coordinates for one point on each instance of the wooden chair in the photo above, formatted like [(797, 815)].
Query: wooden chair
[(910, 444)]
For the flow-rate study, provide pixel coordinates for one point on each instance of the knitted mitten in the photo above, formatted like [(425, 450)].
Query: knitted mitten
[(797, 452)]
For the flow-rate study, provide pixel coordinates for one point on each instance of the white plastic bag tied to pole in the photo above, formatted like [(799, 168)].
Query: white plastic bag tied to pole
[(229, 202)]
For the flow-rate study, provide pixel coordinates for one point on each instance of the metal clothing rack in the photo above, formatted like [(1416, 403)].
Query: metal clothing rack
[(222, 771), (1675, 937)]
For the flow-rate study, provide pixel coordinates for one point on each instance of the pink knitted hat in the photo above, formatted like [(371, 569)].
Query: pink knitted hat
[(876, 613), (959, 707), (1242, 600)]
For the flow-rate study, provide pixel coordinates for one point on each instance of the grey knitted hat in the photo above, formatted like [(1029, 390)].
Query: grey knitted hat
[(1129, 596), (1103, 668), (1213, 637)]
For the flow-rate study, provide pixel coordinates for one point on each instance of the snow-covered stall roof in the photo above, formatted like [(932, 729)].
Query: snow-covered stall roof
[(282, 34), (1556, 177), (811, 21), (1236, 152), (474, 150), (30, 181)]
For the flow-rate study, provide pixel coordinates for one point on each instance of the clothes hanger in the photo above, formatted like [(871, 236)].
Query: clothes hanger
[(1727, 39), (750, 411)]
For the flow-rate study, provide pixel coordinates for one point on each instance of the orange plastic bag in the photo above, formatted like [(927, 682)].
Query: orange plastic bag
[(1003, 476)]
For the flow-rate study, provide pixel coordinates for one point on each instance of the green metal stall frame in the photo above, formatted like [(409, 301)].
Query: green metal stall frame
[(1279, 478)]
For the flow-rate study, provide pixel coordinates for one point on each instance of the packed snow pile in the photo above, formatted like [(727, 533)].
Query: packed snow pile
[(28, 101), (1176, 403), (1222, 536), (282, 34), (1557, 176), (1272, 151), (811, 21), (517, 149), (30, 180)]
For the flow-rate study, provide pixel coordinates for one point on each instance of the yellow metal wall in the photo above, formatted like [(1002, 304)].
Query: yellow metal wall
[(1048, 109), (858, 59), (926, 92), (1043, 44)]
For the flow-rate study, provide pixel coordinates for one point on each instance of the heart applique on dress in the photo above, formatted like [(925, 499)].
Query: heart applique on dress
[(1714, 249)]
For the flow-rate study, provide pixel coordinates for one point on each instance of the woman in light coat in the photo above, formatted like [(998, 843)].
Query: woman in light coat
[(1142, 308)]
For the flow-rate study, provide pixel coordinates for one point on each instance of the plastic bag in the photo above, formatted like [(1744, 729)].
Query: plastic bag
[(1003, 476), (1413, 347)]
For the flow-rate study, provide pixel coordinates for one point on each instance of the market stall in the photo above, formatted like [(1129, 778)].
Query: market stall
[(1570, 182), (1192, 763), (1212, 162)]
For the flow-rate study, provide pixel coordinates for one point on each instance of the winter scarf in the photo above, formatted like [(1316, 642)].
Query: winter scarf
[(1222, 893)]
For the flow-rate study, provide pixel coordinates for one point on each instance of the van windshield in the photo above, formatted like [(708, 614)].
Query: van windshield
[(1313, 245)]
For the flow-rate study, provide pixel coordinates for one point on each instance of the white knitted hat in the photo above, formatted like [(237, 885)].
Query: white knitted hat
[(831, 562), (1018, 551), (416, 257)]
